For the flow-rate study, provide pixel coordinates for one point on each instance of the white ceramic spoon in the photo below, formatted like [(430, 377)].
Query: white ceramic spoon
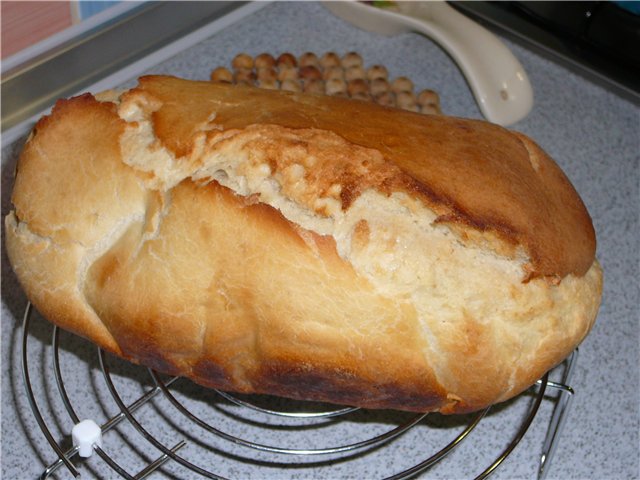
[(497, 79)]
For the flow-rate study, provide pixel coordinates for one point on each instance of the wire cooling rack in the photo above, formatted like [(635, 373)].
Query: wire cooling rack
[(275, 436)]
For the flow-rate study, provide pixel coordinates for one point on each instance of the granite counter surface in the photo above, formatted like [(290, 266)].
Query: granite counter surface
[(594, 136)]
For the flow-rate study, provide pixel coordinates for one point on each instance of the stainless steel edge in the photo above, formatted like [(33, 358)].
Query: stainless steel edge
[(620, 80), (33, 87)]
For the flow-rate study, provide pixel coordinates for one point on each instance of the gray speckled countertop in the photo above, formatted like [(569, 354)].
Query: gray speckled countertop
[(594, 136)]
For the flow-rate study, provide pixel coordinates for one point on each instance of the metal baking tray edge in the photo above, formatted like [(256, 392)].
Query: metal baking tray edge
[(99, 59)]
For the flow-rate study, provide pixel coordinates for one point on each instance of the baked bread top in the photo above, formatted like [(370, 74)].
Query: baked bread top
[(473, 174)]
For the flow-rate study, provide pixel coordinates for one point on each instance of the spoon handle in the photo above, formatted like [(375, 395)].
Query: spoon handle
[(496, 77)]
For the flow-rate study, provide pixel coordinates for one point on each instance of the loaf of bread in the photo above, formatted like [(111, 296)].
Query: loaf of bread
[(304, 246)]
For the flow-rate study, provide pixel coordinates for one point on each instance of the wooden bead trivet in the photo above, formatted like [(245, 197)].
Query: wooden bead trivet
[(328, 74)]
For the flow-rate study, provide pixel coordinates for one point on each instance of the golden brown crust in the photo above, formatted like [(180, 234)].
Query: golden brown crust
[(210, 232), (275, 350), (42, 227), (472, 173)]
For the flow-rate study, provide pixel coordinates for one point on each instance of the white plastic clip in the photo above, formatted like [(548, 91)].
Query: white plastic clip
[(85, 435)]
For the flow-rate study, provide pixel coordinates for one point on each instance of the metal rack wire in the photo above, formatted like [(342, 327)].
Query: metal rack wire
[(161, 388)]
